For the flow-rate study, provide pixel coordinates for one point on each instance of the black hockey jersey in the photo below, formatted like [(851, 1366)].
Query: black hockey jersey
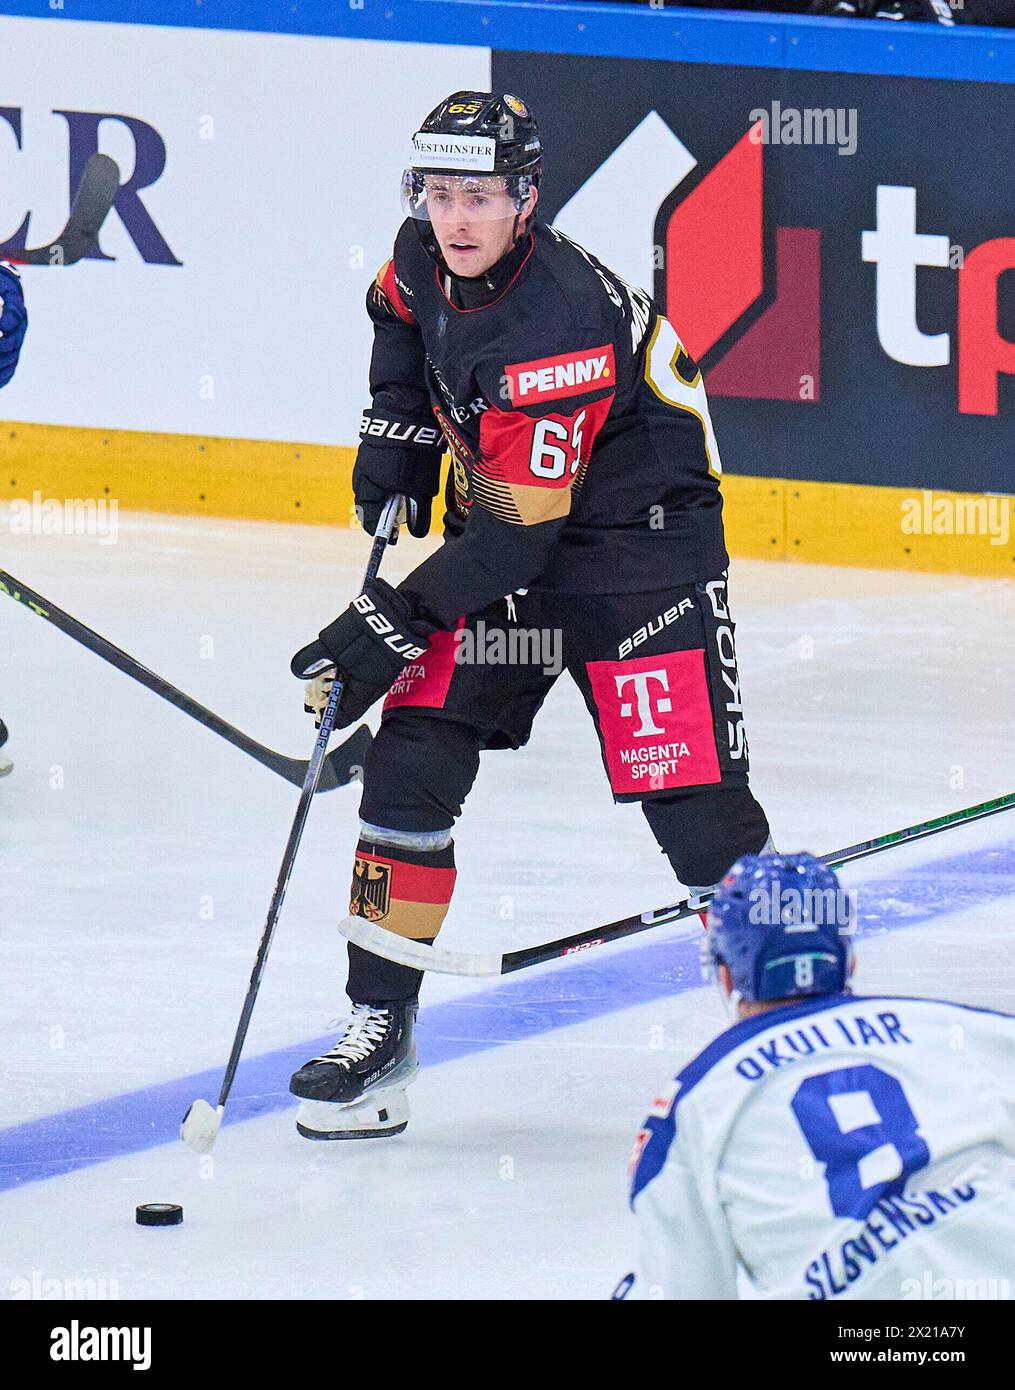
[(583, 456)]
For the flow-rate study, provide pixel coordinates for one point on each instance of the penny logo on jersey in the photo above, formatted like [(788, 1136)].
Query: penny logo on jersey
[(571, 374), (656, 721)]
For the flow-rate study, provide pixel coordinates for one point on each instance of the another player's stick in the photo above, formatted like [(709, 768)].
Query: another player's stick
[(96, 194), (340, 767), (421, 957), (201, 1123)]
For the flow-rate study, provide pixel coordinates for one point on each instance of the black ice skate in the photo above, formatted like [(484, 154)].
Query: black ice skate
[(357, 1089), (5, 762)]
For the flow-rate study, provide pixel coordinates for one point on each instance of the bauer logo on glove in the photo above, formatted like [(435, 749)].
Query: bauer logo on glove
[(378, 623), (366, 647)]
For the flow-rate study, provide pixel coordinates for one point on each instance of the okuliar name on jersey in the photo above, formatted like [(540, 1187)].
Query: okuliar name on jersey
[(836, 1148)]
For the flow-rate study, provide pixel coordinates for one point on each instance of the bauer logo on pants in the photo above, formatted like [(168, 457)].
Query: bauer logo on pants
[(656, 721)]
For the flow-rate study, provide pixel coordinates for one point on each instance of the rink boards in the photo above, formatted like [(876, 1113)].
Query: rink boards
[(847, 293)]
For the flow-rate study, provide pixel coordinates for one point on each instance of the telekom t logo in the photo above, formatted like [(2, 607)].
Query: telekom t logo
[(896, 248), (643, 699)]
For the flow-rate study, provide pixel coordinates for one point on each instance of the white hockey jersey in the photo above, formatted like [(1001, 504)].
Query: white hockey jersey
[(843, 1147)]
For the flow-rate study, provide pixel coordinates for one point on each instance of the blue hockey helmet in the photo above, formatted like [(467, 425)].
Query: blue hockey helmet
[(782, 925)]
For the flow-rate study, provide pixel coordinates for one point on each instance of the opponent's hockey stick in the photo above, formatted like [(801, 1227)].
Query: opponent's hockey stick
[(340, 767), (96, 194), (201, 1123), (421, 957)]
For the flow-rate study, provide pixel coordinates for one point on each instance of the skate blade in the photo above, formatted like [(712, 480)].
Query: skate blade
[(377, 1117)]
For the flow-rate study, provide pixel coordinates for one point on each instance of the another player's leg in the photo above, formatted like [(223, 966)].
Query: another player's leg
[(705, 831), (659, 675)]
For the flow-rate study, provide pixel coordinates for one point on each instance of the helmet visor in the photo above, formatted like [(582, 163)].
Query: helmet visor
[(461, 198)]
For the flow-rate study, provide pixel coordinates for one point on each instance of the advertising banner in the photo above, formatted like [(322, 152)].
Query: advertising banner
[(261, 193), (837, 251)]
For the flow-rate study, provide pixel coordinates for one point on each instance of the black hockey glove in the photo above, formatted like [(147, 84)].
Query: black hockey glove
[(410, 467), (368, 645)]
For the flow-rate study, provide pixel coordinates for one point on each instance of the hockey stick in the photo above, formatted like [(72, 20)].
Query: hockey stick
[(420, 957), (340, 767), (201, 1123), (96, 194)]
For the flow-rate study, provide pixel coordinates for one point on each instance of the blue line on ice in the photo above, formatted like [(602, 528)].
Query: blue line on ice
[(510, 1012)]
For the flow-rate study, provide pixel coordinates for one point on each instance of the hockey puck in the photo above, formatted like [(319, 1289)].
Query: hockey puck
[(159, 1214)]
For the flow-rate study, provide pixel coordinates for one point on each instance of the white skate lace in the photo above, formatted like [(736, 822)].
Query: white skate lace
[(365, 1029)]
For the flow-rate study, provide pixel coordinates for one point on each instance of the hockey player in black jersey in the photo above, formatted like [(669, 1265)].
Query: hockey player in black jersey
[(583, 499)]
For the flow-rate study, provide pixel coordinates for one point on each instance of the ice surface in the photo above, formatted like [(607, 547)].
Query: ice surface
[(138, 853)]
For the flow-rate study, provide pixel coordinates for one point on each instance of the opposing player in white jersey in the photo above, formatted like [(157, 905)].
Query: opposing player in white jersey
[(828, 1145)]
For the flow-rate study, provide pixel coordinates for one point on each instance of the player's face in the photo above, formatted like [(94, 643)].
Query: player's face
[(473, 220)]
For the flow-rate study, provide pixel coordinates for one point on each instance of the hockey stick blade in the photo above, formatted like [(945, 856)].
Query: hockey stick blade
[(96, 194), (342, 765), (419, 956), (200, 1126)]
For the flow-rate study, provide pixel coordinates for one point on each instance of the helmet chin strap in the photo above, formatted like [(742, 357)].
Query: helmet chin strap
[(519, 230), (515, 233), (516, 236)]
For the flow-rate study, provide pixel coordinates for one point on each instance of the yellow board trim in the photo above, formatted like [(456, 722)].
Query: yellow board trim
[(257, 480), (182, 474), (869, 527)]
